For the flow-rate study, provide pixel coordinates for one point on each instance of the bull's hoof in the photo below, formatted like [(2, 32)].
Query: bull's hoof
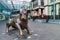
[(30, 33), (6, 31), (22, 34)]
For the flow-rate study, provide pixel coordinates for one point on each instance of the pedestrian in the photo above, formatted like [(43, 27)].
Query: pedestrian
[(42, 15), (47, 19)]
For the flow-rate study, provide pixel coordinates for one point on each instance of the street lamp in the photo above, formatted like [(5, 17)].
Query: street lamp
[(54, 12)]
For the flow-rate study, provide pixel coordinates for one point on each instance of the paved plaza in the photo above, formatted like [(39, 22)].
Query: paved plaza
[(40, 31)]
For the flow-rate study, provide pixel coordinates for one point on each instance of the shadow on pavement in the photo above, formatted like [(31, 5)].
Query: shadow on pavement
[(15, 33)]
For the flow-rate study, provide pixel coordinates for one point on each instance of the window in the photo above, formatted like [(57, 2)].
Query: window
[(42, 2), (52, 8), (35, 3), (52, 0), (59, 11)]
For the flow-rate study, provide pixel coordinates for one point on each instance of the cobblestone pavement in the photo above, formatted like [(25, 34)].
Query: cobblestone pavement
[(40, 31)]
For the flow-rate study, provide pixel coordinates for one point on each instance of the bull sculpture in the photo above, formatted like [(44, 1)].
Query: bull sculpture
[(19, 23)]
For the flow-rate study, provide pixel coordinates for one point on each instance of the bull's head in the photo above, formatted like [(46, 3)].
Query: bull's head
[(24, 15)]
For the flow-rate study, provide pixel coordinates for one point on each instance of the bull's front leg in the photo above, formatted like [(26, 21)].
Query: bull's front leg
[(28, 31), (20, 30)]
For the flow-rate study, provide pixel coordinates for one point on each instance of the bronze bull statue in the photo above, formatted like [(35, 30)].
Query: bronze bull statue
[(20, 24)]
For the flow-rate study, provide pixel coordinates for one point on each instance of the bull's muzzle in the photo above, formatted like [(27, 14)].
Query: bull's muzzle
[(23, 17)]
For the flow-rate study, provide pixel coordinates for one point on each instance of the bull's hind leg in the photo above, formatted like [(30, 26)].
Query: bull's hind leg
[(7, 27)]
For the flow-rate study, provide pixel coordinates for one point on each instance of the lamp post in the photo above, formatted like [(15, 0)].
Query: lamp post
[(54, 12)]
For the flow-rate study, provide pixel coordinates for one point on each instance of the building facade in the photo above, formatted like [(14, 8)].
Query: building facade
[(38, 7), (52, 8)]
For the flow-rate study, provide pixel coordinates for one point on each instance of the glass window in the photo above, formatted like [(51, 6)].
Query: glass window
[(52, 0), (52, 8), (42, 2), (35, 3), (59, 11)]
